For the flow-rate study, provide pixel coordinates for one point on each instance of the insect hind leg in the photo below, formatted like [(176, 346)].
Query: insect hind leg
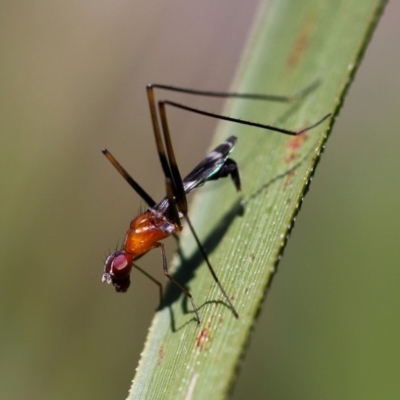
[(228, 168)]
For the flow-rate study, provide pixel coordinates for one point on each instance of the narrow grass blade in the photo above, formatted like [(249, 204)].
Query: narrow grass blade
[(293, 45)]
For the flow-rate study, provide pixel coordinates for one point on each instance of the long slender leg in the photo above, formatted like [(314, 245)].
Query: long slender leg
[(165, 165), (166, 273), (180, 198), (174, 184), (153, 280), (172, 202), (229, 168), (166, 154), (204, 254), (178, 188), (171, 169), (179, 191), (157, 134), (251, 96), (138, 189), (249, 123)]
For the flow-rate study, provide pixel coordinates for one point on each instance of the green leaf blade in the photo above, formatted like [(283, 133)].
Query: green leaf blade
[(293, 44)]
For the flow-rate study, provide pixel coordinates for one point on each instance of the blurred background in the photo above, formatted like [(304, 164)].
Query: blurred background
[(73, 78)]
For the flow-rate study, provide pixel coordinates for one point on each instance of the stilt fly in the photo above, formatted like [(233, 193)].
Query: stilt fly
[(163, 219)]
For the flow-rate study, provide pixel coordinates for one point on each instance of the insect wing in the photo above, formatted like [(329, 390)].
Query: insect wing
[(204, 171), (209, 166)]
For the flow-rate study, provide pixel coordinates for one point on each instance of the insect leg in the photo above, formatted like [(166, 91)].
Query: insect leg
[(229, 168), (173, 180), (153, 280), (251, 96), (248, 123), (179, 191), (211, 269), (166, 273), (172, 203), (138, 189)]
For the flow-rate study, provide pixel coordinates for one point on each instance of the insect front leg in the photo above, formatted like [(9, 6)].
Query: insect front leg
[(158, 283), (166, 273)]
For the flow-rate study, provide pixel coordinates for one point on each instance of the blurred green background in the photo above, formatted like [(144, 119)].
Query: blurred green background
[(72, 82)]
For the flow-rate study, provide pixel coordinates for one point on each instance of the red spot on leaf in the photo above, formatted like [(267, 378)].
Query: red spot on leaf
[(202, 338), (301, 43), (288, 179), (161, 355), (296, 141), (293, 145)]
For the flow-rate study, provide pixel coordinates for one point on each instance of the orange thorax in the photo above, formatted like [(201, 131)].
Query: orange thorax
[(146, 230)]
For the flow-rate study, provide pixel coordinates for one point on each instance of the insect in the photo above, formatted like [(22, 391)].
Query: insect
[(163, 219)]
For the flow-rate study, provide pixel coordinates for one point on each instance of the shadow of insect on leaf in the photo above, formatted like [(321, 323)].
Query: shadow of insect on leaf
[(188, 266)]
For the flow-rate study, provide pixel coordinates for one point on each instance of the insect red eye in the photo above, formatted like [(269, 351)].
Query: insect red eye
[(120, 265), (117, 268)]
